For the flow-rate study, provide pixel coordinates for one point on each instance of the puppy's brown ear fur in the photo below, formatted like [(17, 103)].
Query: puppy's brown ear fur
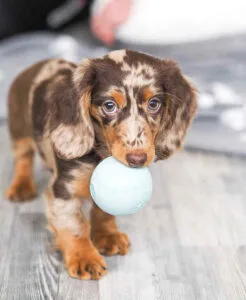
[(179, 110), (72, 132)]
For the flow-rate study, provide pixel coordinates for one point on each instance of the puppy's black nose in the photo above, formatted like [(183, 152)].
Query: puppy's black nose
[(136, 159)]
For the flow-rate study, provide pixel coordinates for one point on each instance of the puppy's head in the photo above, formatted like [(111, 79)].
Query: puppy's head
[(136, 106)]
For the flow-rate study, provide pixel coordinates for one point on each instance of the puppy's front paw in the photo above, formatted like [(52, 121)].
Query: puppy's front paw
[(20, 191), (111, 243), (86, 265)]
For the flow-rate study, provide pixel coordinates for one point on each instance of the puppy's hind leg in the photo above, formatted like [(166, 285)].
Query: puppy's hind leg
[(21, 134), (22, 187)]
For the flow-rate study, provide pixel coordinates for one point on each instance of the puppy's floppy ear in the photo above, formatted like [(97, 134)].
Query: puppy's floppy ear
[(72, 132), (179, 110)]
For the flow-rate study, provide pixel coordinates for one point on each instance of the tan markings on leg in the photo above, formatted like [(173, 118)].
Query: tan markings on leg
[(72, 237), (66, 214), (23, 146), (80, 256), (22, 187), (46, 148), (79, 187), (105, 234), (82, 188)]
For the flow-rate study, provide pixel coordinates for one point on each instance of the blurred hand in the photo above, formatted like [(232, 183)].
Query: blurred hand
[(104, 23)]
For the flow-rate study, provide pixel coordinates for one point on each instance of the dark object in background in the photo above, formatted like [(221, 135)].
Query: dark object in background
[(27, 15)]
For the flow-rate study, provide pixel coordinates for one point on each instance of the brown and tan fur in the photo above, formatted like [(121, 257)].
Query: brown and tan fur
[(127, 104)]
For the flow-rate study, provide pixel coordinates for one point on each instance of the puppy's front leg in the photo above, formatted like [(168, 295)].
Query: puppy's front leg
[(106, 235), (72, 233)]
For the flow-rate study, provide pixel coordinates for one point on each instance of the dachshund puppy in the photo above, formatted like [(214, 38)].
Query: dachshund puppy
[(127, 104)]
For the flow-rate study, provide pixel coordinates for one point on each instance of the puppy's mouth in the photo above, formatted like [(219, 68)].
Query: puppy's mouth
[(136, 160)]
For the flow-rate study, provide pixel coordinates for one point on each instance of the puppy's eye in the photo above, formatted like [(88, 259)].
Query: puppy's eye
[(110, 107), (154, 105)]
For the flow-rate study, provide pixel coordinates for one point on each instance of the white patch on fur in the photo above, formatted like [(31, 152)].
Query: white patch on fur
[(72, 141), (81, 70), (176, 132), (133, 125), (135, 76), (47, 71), (50, 69), (66, 214), (131, 128), (117, 55)]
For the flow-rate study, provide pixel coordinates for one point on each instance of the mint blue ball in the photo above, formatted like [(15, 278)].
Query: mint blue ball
[(120, 190)]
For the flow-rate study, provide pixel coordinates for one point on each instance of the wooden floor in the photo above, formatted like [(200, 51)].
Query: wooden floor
[(188, 243)]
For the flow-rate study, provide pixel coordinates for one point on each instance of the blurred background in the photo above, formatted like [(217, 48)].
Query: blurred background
[(189, 242), (207, 38)]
